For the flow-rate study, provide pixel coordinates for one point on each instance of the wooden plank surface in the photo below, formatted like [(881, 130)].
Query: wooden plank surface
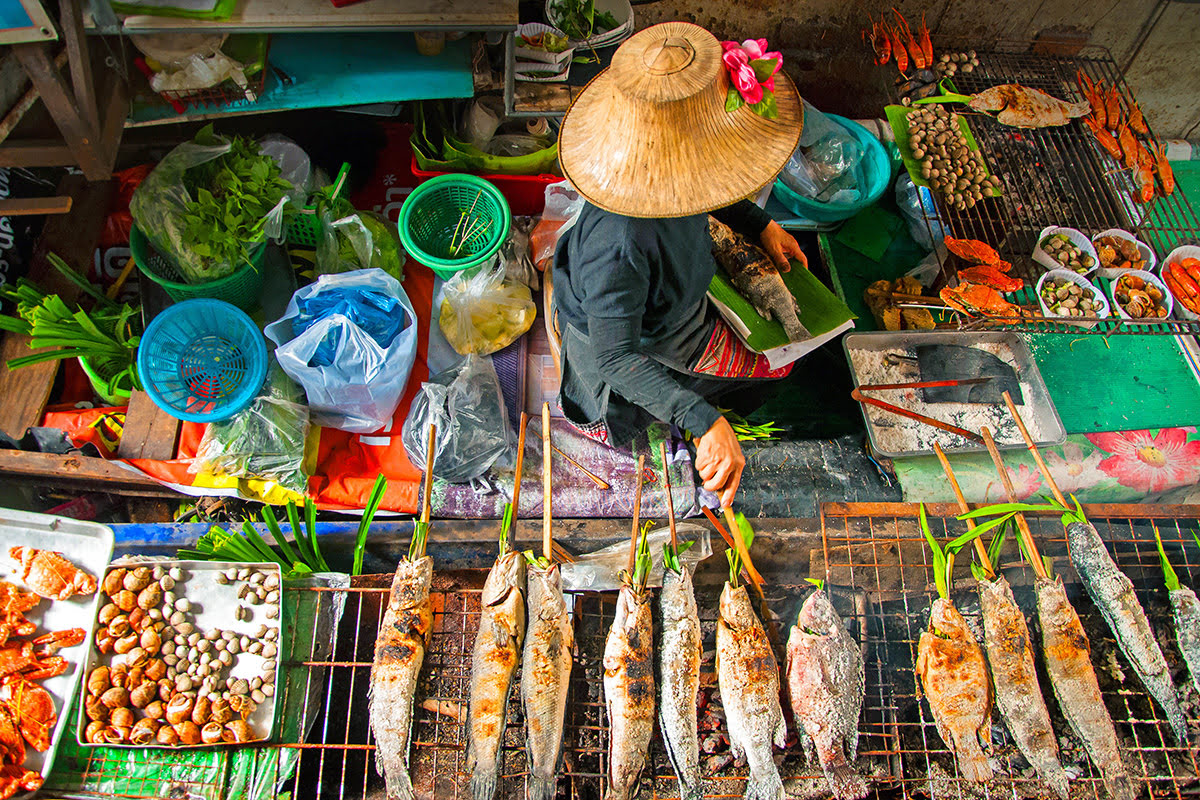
[(79, 471), (21, 206), (149, 431)]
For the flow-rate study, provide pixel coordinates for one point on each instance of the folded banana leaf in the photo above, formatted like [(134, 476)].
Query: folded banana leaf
[(438, 150)]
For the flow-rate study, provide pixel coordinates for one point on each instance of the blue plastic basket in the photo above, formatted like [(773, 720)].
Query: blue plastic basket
[(876, 172), (202, 360)]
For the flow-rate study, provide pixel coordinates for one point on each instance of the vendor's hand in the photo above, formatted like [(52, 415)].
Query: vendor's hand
[(719, 460), (780, 246)]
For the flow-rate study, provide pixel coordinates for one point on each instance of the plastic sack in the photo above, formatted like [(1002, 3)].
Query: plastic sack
[(265, 440), (825, 165), (467, 406), (353, 240), (917, 206), (563, 205), (600, 571), (360, 387), (485, 312), (514, 254)]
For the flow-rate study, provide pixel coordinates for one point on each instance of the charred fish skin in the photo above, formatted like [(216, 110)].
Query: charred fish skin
[(954, 677), (1073, 679), (748, 677), (826, 684), (756, 278), (629, 692), (493, 662), (1113, 594), (1187, 629), (679, 658), (1014, 678), (399, 653), (545, 678)]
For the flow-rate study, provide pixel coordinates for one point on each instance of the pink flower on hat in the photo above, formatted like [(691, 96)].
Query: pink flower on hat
[(738, 60)]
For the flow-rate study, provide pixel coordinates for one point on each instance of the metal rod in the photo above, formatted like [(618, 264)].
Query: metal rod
[(547, 510), (1037, 457), (980, 550), (637, 514), (1039, 567), (662, 452)]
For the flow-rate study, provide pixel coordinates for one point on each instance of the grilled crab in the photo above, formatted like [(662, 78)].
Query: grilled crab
[(50, 575), (975, 300), (33, 709), (15, 779), (14, 602), (34, 659)]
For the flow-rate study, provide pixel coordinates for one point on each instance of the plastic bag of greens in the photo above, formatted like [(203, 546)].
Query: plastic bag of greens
[(266, 440), (484, 312), (467, 406), (211, 203), (353, 240)]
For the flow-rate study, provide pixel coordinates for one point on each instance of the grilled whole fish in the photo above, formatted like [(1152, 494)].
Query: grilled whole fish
[(545, 678), (756, 278), (679, 659), (1187, 629), (399, 651), (629, 692), (826, 682), (748, 677), (954, 676), (1113, 594), (1018, 695), (1069, 665), (493, 662)]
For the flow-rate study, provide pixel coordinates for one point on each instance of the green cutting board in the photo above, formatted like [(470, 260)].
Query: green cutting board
[(1130, 383)]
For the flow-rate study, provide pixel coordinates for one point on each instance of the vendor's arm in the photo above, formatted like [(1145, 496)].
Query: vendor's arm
[(755, 224)]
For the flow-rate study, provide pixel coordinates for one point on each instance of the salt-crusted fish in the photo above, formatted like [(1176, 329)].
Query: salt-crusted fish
[(748, 677), (826, 683), (679, 658), (629, 691), (1113, 594), (1187, 629), (493, 662), (755, 277), (1018, 695), (1069, 665), (545, 677), (399, 652), (954, 677)]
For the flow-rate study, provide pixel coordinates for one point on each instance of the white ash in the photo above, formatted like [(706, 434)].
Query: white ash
[(896, 434)]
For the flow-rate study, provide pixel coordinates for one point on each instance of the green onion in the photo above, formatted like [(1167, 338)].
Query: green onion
[(268, 517)]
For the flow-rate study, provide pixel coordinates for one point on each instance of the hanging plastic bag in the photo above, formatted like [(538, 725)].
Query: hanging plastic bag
[(563, 205), (825, 164), (514, 254), (467, 406), (353, 240), (484, 312), (349, 340)]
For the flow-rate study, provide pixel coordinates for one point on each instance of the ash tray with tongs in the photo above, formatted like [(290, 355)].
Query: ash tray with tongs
[(952, 373)]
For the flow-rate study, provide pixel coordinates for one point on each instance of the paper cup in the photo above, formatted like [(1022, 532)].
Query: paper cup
[(1148, 277), (1174, 257), (1147, 253), (1078, 239), (1086, 285)]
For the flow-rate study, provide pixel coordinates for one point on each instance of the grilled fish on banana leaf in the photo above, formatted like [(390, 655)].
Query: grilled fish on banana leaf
[(754, 276)]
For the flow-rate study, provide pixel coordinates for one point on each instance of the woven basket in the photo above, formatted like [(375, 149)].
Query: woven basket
[(242, 288)]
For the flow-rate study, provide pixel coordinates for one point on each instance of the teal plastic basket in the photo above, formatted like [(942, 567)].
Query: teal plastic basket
[(432, 219), (242, 288), (876, 171)]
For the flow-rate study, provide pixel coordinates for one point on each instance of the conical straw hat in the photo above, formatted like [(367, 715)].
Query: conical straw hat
[(650, 136)]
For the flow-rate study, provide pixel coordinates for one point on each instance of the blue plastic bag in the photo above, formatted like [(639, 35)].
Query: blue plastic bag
[(350, 341)]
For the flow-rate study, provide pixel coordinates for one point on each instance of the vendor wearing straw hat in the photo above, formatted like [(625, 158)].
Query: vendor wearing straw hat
[(679, 126)]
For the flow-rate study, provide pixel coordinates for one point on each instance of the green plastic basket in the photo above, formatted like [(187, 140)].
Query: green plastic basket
[(304, 227), (100, 375), (433, 212), (242, 288)]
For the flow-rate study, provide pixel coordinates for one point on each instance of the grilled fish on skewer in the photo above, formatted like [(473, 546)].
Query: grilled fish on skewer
[(399, 651), (1113, 594), (954, 677), (826, 682), (493, 662), (679, 654), (1187, 629), (1018, 695), (545, 676), (748, 677), (1069, 665), (629, 691)]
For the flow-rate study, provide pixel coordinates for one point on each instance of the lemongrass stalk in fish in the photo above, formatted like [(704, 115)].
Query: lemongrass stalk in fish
[(826, 683), (1113, 594), (679, 685), (1014, 677), (756, 278), (629, 691), (954, 677), (1186, 610), (545, 677), (399, 653), (493, 662), (1073, 679), (748, 677)]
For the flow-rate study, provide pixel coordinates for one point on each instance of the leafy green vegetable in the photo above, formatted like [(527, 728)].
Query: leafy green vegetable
[(506, 528), (943, 558), (540, 562), (671, 557), (731, 554), (416, 548), (642, 562), (747, 431), (817, 582), (1169, 576)]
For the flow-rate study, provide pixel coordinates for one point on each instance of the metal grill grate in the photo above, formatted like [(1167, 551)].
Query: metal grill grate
[(1059, 177), (879, 549)]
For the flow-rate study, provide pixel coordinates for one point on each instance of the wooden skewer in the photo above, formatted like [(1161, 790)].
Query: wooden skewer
[(637, 514), (516, 494), (547, 511), (904, 412), (1039, 567), (662, 451), (119, 283), (980, 550), (1037, 457), (428, 488), (601, 484)]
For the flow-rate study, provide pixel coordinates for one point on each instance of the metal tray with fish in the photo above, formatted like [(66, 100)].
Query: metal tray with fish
[(89, 547), (170, 629)]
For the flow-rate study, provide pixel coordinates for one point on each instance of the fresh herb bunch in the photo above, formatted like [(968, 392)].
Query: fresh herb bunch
[(747, 431), (671, 556), (232, 195), (579, 19), (943, 558), (732, 555)]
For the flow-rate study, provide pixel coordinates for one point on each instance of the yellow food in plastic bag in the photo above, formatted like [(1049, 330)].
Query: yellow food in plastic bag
[(485, 313)]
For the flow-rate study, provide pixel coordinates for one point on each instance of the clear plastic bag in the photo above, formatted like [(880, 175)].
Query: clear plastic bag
[(473, 432), (563, 205), (485, 312), (265, 440), (825, 164), (352, 380), (514, 254), (917, 206), (600, 571), (353, 240)]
